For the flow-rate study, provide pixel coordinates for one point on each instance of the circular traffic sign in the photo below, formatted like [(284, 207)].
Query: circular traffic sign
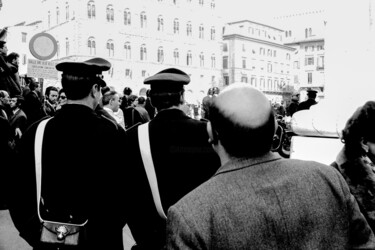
[(43, 46)]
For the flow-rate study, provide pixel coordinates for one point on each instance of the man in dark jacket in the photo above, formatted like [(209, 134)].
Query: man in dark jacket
[(311, 95), (81, 173), (181, 154), (7, 82)]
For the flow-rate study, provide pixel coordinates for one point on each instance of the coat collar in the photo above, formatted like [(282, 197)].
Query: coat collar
[(170, 114), (241, 163)]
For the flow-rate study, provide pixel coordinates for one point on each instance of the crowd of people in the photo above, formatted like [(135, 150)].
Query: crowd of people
[(112, 159)]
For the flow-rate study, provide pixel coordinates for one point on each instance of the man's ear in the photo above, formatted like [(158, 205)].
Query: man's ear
[(94, 90), (212, 136)]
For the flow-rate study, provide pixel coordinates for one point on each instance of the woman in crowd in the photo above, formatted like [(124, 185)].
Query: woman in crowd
[(356, 160), (62, 99)]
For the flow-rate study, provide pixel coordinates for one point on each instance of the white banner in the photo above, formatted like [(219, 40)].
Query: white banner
[(42, 69)]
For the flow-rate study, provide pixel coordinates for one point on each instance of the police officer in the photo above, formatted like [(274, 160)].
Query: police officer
[(182, 157), (80, 165)]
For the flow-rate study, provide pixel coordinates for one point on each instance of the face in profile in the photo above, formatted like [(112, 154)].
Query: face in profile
[(62, 98)]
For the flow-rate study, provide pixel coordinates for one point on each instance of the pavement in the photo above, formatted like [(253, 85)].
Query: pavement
[(10, 240)]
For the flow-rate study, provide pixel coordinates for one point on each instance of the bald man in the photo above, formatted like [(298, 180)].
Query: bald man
[(258, 200)]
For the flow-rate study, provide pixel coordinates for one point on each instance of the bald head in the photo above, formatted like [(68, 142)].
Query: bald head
[(242, 120), (244, 105)]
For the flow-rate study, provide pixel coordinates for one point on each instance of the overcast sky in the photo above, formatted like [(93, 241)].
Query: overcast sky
[(16, 11)]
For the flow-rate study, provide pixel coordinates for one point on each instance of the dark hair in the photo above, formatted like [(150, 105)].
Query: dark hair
[(239, 140), (105, 89), (127, 91), (311, 94), (49, 89), (164, 100), (107, 97), (2, 43), (78, 87), (61, 91), (141, 100), (12, 56), (33, 84), (20, 100), (131, 99), (360, 126)]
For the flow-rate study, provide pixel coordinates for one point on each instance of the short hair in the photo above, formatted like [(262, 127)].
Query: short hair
[(105, 90), (240, 140), (131, 99), (78, 87), (311, 94), (141, 100), (360, 126), (127, 91), (2, 43), (62, 90), (12, 56), (33, 85), (164, 100), (108, 96), (49, 89), (3, 93)]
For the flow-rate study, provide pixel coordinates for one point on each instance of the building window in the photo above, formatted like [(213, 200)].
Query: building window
[(176, 56), (253, 81), (176, 26), (213, 33), (262, 51), (244, 62), (143, 73), (225, 62), (24, 59), (287, 56), (143, 52), (274, 53), (189, 29), (320, 62), (244, 78), (296, 65), (128, 51), (189, 58), (201, 2), (110, 48), (143, 19), (110, 13), (201, 59), (67, 46), (49, 19), (269, 68), (91, 45), (160, 55), (309, 60), (67, 11), (127, 17), (226, 80), (212, 4), (160, 23), (57, 15), (225, 47), (213, 61), (309, 78), (269, 52), (320, 47), (91, 9), (128, 73), (201, 31), (23, 39)]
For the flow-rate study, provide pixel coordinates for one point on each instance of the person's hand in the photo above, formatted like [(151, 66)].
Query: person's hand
[(18, 132)]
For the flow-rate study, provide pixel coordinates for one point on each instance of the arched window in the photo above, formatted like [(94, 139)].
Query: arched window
[(213, 4), (189, 29), (67, 46), (143, 52), (290, 33), (176, 26), (57, 15), (67, 11), (176, 56), (160, 23), (310, 32), (306, 33), (201, 31), (91, 9), (110, 48), (127, 17), (201, 2), (160, 54), (213, 61), (189, 58), (91, 45), (213, 33), (143, 19), (201, 59), (110, 13), (128, 51)]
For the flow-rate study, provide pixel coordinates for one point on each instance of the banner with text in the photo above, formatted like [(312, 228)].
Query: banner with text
[(42, 69)]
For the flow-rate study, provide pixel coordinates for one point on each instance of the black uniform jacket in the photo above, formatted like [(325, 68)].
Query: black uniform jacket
[(183, 160), (81, 177)]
